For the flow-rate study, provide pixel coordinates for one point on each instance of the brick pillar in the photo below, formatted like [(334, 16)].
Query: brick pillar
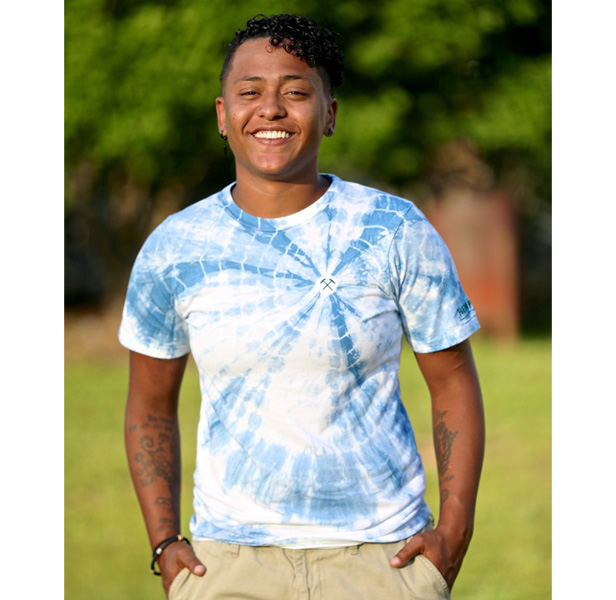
[(479, 229)]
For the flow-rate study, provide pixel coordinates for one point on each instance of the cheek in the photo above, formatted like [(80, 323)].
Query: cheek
[(309, 119), (321, 117), (238, 119)]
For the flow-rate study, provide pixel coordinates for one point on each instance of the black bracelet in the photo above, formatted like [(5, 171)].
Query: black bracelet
[(159, 550)]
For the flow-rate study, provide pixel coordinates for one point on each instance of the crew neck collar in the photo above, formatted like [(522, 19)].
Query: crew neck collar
[(281, 222)]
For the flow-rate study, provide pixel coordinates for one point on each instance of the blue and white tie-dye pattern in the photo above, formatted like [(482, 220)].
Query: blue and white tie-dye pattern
[(296, 326)]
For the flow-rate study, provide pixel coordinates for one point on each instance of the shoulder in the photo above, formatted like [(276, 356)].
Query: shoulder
[(191, 219), (378, 205), (181, 234)]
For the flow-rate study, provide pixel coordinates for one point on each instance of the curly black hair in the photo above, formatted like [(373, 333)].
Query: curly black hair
[(297, 35)]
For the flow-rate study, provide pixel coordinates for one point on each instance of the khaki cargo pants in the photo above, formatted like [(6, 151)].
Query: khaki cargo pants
[(269, 573)]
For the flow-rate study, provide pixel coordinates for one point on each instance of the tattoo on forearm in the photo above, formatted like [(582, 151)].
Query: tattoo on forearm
[(443, 443), (160, 451), (166, 524), (164, 503)]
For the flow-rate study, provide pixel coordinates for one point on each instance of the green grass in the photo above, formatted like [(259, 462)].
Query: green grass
[(106, 547)]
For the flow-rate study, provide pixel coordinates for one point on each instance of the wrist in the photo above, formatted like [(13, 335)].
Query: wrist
[(162, 517), (161, 534), (162, 546), (456, 522), (457, 534)]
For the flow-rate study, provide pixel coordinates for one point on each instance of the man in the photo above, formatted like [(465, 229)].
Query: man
[(293, 289)]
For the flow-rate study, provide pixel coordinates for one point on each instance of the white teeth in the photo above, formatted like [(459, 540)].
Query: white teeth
[(272, 135)]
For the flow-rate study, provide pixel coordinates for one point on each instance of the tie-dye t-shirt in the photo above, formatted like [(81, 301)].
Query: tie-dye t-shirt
[(296, 327)]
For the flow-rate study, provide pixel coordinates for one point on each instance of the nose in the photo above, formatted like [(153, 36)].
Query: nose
[(272, 106)]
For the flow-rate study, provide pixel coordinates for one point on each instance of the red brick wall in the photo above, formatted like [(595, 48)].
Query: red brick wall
[(480, 230)]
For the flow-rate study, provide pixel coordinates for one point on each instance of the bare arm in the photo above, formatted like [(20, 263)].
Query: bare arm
[(152, 439), (459, 439)]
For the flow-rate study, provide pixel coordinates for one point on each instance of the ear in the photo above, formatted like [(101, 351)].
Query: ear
[(220, 112), (332, 111)]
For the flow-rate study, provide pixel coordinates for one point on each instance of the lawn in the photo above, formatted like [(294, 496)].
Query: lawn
[(106, 547)]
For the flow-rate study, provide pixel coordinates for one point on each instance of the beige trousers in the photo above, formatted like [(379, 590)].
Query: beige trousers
[(269, 573)]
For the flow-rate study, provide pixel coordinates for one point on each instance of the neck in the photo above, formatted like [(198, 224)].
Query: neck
[(271, 199)]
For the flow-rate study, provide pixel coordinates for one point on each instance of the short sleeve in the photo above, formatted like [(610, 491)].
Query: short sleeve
[(435, 312), (150, 323)]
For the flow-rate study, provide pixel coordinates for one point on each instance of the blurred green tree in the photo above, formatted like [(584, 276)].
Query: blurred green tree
[(141, 77)]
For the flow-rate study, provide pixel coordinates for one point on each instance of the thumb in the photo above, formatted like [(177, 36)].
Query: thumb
[(192, 563), (413, 548)]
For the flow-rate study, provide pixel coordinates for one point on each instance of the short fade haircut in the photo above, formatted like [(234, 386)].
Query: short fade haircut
[(299, 36)]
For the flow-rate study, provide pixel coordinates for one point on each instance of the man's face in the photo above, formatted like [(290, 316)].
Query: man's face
[(274, 110)]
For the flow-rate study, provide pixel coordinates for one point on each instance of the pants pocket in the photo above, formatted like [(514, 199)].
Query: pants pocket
[(434, 572), (178, 581)]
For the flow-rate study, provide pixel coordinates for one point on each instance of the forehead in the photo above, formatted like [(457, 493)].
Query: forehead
[(258, 58)]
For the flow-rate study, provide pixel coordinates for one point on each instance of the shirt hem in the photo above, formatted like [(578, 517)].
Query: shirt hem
[(152, 352), (464, 335), (326, 543)]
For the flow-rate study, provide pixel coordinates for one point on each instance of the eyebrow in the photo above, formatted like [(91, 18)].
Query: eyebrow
[(283, 77)]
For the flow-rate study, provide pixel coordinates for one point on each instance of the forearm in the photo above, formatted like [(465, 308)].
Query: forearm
[(152, 441), (459, 439), (153, 451), (153, 447), (459, 432)]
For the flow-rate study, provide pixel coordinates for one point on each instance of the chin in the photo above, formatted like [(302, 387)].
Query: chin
[(277, 169), (273, 170)]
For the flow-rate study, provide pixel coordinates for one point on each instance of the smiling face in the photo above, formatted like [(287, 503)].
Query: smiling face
[(274, 110)]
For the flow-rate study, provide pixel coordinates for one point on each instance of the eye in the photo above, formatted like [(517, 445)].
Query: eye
[(296, 93)]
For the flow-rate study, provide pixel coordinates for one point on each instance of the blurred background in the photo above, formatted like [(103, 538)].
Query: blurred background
[(445, 102)]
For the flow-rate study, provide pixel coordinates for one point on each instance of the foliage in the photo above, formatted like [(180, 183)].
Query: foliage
[(433, 71), (106, 546), (141, 77)]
